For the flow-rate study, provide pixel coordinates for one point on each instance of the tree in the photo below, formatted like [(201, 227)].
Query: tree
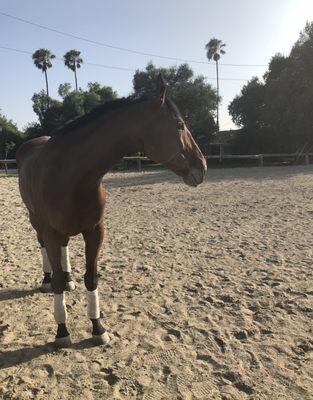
[(91, 100), (276, 115), (52, 113), (64, 90), (49, 112), (10, 137), (214, 49), (144, 82), (42, 59), (246, 109), (41, 103), (106, 93), (73, 106), (33, 130), (73, 61), (193, 96)]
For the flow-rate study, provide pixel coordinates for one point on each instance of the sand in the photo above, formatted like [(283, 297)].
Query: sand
[(206, 292)]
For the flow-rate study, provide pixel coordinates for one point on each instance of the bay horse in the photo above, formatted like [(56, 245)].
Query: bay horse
[(60, 181)]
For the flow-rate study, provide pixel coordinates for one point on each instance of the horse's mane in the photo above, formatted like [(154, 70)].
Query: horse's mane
[(107, 107), (96, 112)]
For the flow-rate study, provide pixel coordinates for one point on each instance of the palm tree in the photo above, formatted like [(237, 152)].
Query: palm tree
[(214, 49), (42, 59), (73, 61)]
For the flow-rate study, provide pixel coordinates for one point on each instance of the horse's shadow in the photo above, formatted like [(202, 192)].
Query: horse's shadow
[(12, 358), (10, 294)]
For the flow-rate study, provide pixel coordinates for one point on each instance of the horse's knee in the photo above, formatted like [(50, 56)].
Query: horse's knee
[(58, 282), (91, 281)]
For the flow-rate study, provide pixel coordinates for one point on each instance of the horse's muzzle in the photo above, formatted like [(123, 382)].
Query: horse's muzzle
[(195, 176)]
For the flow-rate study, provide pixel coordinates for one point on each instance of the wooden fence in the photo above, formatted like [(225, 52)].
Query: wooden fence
[(5, 163), (259, 158)]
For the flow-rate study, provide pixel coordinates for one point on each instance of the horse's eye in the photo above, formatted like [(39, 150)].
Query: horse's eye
[(181, 125)]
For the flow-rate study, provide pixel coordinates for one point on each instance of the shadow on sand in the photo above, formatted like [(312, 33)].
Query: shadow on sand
[(12, 358), (10, 294)]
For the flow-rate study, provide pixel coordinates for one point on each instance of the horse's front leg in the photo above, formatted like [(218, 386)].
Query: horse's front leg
[(93, 240)]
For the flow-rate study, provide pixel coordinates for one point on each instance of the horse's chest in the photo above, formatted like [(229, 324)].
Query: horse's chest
[(75, 216)]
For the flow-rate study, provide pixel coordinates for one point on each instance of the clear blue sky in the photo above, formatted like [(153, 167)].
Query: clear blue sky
[(253, 31)]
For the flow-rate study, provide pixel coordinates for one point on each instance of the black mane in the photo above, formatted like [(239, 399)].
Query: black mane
[(95, 112)]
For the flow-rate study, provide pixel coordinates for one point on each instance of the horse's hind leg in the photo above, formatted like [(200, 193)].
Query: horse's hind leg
[(93, 239), (47, 270), (66, 266), (46, 266), (53, 244)]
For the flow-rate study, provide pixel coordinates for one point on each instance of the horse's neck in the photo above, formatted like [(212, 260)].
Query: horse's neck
[(95, 149)]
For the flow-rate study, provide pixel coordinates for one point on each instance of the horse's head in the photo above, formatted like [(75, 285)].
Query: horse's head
[(169, 141)]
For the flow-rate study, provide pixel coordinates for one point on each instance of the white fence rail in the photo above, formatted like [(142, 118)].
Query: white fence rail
[(260, 158)]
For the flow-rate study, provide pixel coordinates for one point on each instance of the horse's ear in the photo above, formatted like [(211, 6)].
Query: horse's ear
[(161, 89)]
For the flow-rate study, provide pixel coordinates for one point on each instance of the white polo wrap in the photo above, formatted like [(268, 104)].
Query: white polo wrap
[(46, 266), (60, 313), (93, 309), (65, 259)]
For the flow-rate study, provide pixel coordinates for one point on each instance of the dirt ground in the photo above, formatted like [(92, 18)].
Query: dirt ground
[(206, 293)]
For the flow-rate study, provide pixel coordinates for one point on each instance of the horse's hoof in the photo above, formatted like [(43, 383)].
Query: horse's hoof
[(61, 342), (101, 339), (46, 288), (70, 286)]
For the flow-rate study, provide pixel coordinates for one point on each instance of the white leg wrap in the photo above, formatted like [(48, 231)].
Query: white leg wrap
[(46, 266), (60, 312), (65, 259), (93, 309)]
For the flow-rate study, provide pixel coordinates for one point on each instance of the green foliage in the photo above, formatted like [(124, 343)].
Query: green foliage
[(52, 114), (33, 130), (10, 137), (106, 93), (64, 90), (276, 115), (91, 100), (73, 105), (193, 96), (246, 109), (48, 110), (41, 102)]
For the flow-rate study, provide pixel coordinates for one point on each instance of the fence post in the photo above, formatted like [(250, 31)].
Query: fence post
[(139, 164), (307, 159), (261, 160)]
